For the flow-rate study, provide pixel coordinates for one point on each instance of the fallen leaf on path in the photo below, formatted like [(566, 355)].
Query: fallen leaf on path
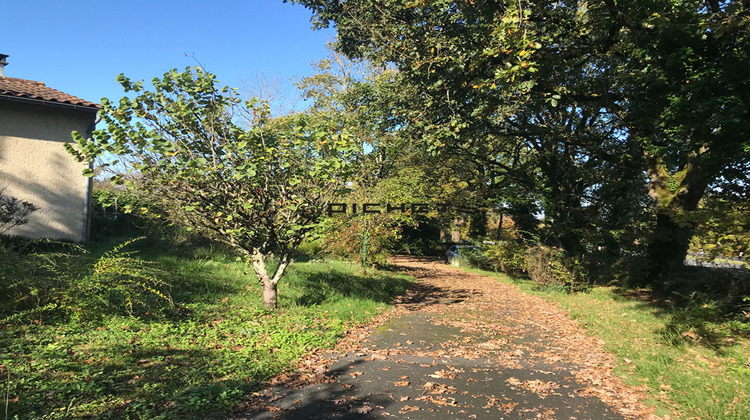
[(443, 374), (408, 408), (508, 407), (435, 388), (447, 401), (537, 386), (364, 409)]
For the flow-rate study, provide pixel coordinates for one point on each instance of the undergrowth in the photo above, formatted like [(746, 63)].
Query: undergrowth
[(199, 356)]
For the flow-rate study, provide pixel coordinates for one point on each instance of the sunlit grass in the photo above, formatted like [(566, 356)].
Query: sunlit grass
[(688, 375), (202, 356)]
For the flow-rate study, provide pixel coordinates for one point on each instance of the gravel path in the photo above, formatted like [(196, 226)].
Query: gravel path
[(458, 345)]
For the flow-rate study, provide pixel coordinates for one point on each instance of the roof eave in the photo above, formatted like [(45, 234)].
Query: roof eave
[(51, 103)]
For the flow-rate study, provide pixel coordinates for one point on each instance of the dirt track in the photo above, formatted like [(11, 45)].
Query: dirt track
[(458, 345)]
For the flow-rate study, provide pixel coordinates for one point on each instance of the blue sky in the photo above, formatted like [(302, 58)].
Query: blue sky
[(80, 46)]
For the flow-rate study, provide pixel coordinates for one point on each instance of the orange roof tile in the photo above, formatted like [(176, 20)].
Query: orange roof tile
[(29, 89)]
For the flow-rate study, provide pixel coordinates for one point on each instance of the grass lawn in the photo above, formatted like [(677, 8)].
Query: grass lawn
[(693, 369), (199, 358)]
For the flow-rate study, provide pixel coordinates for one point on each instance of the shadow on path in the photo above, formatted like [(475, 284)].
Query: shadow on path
[(441, 356)]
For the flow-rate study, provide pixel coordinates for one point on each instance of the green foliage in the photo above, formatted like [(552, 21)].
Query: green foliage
[(550, 267), (566, 106), (120, 212), (507, 257), (471, 258), (368, 239), (119, 280), (217, 346), (703, 316), (723, 227), (223, 166), (422, 238), (309, 248), (66, 283)]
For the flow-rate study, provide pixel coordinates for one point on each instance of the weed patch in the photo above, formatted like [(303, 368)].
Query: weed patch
[(200, 358)]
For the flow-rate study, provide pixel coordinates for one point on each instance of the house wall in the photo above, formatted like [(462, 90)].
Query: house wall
[(35, 167)]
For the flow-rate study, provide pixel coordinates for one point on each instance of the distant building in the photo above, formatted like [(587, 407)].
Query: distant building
[(35, 122)]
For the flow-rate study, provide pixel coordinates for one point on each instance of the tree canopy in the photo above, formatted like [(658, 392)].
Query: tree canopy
[(605, 115)]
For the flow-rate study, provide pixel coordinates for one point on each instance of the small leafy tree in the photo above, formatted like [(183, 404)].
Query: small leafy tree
[(222, 165)]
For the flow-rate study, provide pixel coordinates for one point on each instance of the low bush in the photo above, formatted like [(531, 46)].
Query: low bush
[(472, 258), (68, 282), (122, 213), (550, 267), (506, 257), (368, 239), (309, 249), (117, 282)]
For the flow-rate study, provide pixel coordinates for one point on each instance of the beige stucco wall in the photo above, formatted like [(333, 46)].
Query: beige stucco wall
[(35, 167)]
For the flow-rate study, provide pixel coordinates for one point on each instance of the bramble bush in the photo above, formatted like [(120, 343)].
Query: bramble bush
[(64, 281), (119, 212), (368, 239)]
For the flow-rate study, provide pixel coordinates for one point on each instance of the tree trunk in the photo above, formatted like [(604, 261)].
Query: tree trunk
[(270, 293), (674, 195), (268, 282), (499, 233), (668, 245)]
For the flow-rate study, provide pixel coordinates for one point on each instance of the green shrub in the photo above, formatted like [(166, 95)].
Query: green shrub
[(473, 258), (67, 282), (550, 267), (118, 282), (507, 257), (125, 213), (368, 239), (35, 276), (310, 248)]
